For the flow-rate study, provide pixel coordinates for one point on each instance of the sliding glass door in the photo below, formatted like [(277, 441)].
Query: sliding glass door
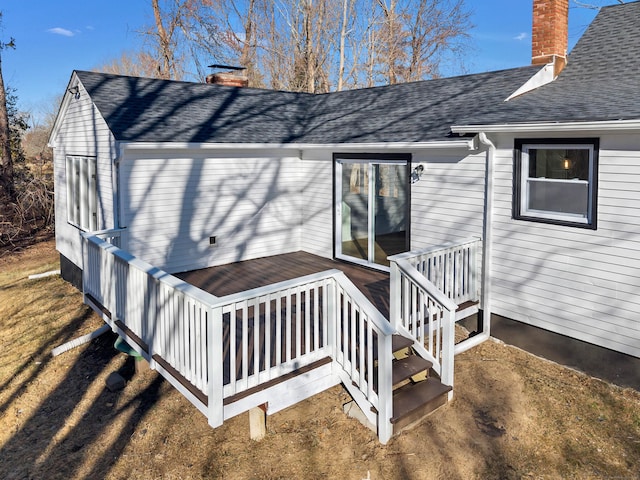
[(372, 217)]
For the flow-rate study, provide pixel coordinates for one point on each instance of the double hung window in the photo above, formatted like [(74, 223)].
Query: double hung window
[(555, 181)]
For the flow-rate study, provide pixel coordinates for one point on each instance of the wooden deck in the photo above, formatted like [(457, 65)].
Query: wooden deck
[(221, 353), (240, 276)]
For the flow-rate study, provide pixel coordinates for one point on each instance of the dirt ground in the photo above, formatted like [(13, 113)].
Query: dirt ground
[(514, 415)]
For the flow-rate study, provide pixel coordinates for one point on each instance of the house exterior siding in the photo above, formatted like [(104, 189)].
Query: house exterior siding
[(82, 132), (576, 282), (447, 203), (317, 202), (174, 201)]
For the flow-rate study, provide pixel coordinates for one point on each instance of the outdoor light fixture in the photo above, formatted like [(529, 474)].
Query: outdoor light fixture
[(75, 91), (567, 164), (416, 173)]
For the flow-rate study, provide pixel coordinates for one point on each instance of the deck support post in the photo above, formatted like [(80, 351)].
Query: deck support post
[(258, 423)]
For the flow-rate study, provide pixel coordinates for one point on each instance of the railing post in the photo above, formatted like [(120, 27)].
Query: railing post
[(215, 362), (447, 351), (385, 388), (331, 287), (395, 292)]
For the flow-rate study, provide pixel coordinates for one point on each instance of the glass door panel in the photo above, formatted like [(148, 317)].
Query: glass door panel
[(355, 210), (373, 210), (390, 211)]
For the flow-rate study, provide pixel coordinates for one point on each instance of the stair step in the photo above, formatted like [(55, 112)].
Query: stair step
[(408, 400), (400, 342), (408, 367)]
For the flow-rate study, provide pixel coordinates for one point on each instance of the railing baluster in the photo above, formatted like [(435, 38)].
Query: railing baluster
[(256, 340), (267, 337), (307, 321), (245, 344), (278, 329), (288, 320), (316, 318), (298, 349), (233, 349)]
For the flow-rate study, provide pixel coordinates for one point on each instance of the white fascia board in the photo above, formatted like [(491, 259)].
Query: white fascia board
[(542, 77), (466, 143), (602, 126)]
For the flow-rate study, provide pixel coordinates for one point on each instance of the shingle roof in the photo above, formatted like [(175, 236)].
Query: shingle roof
[(152, 110), (600, 82)]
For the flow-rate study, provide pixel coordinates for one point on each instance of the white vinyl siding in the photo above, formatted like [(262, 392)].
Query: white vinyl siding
[(317, 203), (82, 133), (174, 201), (447, 202), (577, 282)]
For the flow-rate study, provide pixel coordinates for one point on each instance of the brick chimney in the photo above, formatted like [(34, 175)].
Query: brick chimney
[(234, 78), (550, 35)]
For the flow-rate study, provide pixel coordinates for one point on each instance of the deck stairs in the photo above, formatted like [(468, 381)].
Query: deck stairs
[(417, 391)]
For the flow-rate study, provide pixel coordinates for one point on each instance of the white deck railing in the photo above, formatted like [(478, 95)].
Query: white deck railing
[(226, 345), (452, 267), (426, 288)]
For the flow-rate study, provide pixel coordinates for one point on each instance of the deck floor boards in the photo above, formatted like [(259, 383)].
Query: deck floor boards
[(241, 276), (237, 277)]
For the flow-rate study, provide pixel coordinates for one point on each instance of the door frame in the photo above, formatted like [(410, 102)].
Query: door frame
[(337, 205)]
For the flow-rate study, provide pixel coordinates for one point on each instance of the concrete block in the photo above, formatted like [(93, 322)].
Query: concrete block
[(257, 423), (115, 382), (353, 411)]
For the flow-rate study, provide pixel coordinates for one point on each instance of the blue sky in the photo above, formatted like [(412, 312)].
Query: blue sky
[(54, 37)]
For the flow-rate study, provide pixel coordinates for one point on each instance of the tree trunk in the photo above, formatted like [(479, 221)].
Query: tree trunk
[(164, 42), (343, 36), (7, 190)]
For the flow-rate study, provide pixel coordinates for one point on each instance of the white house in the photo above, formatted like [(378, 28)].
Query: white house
[(541, 164)]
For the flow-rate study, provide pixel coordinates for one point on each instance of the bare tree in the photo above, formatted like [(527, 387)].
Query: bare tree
[(7, 187), (391, 38), (342, 51), (169, 17), (412, 39), (302, 45), (136, 64), (434, 28)]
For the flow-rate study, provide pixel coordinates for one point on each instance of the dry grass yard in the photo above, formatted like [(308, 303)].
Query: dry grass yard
[(514, 415)]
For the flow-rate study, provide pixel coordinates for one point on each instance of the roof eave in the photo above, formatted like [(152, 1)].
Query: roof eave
[(607, 125), (463, 143)]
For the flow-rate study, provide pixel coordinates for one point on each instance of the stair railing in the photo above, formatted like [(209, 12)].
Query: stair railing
[(363, 353), (426, 288), (453, 267), (420, 311)]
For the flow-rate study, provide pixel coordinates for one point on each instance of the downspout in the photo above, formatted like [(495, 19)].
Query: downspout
[(484, 318), (115, 182)]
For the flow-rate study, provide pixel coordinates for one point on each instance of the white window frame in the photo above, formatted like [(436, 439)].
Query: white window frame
[(522, 182), (82, 195)]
